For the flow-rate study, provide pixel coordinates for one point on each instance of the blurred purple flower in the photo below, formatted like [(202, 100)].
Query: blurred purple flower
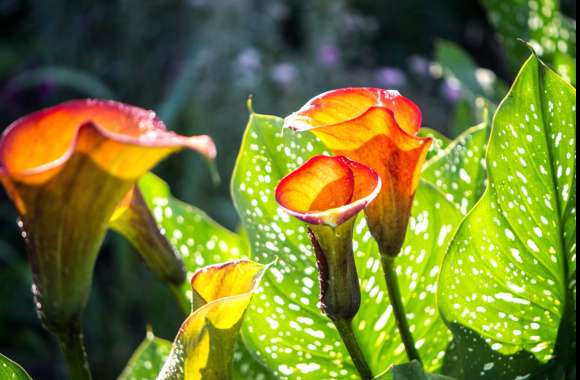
[(451, 91), (390, 77), (329, 54), (248, 65), (419, 65), (284, 73)]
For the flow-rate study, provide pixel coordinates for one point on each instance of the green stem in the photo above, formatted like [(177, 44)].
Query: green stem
[(72, 345), (344, 327), (184, 303), (399, 308)]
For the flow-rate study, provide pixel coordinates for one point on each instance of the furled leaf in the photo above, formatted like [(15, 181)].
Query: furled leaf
[(205, 345), (410, 371), (459, 171), (133, 220), (284, 324), (11, 370), (510, 274), (541, 23)]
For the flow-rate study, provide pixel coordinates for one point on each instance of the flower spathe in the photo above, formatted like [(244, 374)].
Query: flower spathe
[(328, 193), (204, 346), (66, 169), (328, 190), (377, 128)]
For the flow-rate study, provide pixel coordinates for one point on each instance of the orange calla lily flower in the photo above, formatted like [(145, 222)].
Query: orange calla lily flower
[(327, 193), (377, 128), (66, 169), (204, 347), (328, 190)]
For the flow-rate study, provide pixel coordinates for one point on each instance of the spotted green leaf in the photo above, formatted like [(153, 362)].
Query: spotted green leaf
[(440, 141), (11, 370), (284, 324), (148, 359), (510, 274), (541, 23), (410, 371), (471, 357), (459, 170)]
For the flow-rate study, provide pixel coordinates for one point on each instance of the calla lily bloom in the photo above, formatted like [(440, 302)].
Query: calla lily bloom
[(377, 128), (328, 193), (66, 169), (204, 347)]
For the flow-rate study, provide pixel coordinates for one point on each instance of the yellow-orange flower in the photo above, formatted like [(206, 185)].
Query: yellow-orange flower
[(327, 193), (377, 128), (328, 190), (66, 169), (204, 346)]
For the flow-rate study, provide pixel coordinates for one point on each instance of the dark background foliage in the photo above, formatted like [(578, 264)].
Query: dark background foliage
[(195, 62)]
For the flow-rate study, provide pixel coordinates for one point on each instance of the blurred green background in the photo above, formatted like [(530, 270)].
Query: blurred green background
[(196, 62)]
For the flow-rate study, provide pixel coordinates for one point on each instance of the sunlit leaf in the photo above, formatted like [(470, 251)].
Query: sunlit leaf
[(205, 345), (148, 359), (541, 23), (459, 170), (11, 370), (510, 274), (284, 324)]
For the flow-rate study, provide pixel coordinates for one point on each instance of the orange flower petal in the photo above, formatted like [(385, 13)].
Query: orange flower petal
[(123, 140), (378, 129), (340, 106), (328, 190)]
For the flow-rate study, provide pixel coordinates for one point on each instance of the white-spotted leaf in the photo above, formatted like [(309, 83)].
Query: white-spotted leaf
[(11, 370), (459, 171), (510, 274), (541, 23)]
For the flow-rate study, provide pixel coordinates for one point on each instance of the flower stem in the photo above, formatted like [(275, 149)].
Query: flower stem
[(399, 308), (344, 327), (72, 345), (184, 303)]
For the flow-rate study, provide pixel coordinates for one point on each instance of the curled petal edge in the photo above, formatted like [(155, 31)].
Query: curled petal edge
[(336, 216), (299, 121), (165, 140)]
